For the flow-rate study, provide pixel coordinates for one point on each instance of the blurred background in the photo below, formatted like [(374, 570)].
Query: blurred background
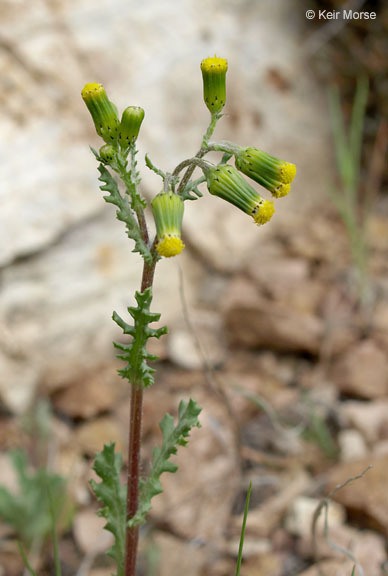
[(280, 333)]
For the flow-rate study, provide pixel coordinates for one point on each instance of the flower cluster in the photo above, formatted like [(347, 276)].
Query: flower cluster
[(223, 180), (105, 117)]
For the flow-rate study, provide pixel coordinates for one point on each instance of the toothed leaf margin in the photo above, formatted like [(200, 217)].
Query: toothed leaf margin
[(173, 436), (137, 371), (112, 494), (124, 212)]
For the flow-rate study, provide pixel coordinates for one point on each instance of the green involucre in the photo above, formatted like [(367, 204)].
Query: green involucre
[(102, 110), (214, 83), (167, 209), (130, 125), (274, 174), (107, 153), (227, 183)]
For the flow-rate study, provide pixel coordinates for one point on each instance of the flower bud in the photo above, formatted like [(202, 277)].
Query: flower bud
[(227, 183), (130, 125), (107, 153), (270, 172), (214, 85), (167, 209), (103, 112)]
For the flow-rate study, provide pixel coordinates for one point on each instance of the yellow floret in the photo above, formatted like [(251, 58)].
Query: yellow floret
[(214, 63), (170, 246), (92, 89), (263, 212), (287, 172), (281, 190)]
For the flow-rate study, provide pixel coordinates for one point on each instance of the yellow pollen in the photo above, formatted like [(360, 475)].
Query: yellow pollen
[(287, 173), (263, 212), (210, 64), (281, 190), (170, 246), (92, 89)]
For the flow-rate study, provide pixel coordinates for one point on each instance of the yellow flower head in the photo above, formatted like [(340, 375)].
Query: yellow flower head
[(103, 112), (263, 212), (167, 209), (274, 174), (170, 246), (227, 183), (214, 83)]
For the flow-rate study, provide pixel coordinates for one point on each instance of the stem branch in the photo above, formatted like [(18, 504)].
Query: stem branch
[(201, 152)]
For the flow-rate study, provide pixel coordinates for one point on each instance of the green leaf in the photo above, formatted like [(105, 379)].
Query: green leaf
[(131, 179), (242, 536), (173, 436), (112, 494), (29, 510), (192, 186), (124, 212), (23, 554), (137, 371)]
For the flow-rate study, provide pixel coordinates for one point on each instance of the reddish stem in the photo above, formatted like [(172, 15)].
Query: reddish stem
[(132, 534)]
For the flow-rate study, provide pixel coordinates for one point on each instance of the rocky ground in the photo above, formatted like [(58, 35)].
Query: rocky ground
[(293, 380)]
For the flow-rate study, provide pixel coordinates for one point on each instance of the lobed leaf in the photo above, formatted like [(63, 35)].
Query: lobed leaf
[(112, 494), (137, 371), (124, 212), (173, 436), (29, 510)]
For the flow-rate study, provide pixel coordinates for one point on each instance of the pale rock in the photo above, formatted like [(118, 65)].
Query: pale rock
[(366, 496), (177, 556), (377, 231), (252, 547), (380, 323), (264, 519), (100, 572), (255, 322), (8, 474), (369, 418), (89, 533), (317, 237), (201, 343), (90, 395), (330, 568), (18, 383), (287, 280), (301, 513), (362, 371), (352, 445), (90, 437), (70, 464), (381, 448), (368, 548), (266, 564)]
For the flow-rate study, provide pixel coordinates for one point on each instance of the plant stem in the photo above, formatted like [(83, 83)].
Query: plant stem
[(192, 162), (201, 152), (134, 444), (132, 534)]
